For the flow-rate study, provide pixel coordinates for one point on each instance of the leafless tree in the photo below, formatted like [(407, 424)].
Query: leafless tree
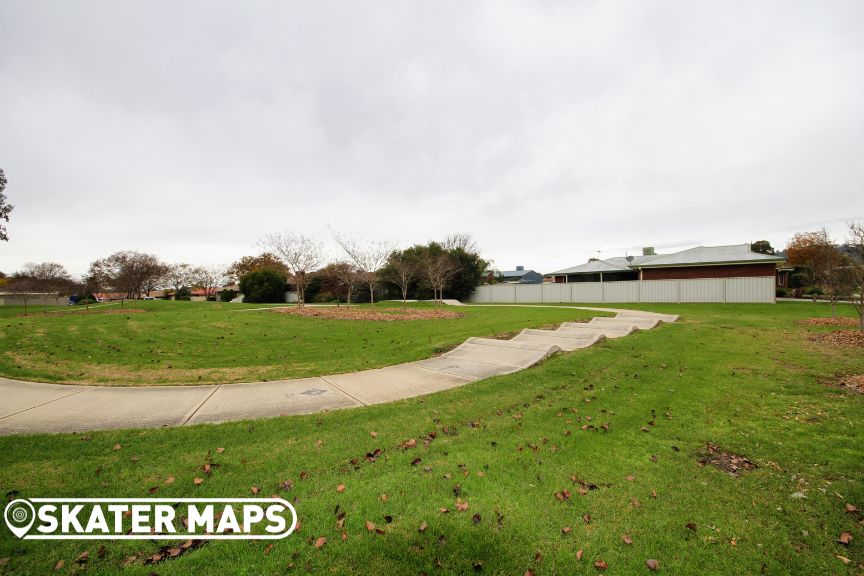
[(47, 278), (345, 276), (301, 254), (208, 278), (401, 270), (369, 258), (22, 285), (826, 267), (437, 269), (179, 276), (127, 271), (855, 271), (462, 241)]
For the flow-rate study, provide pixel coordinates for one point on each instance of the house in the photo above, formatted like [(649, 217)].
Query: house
[(521, 276), (735, 261)]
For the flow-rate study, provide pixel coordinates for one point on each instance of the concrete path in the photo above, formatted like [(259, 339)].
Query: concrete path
[(31, 407)]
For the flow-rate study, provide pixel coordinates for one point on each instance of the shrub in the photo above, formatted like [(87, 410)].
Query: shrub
[(263, 286), (782, 292), (813, 291), (227, 295), (183, 294)]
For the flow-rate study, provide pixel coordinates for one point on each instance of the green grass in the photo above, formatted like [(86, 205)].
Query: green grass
[(207, 342), (744, 377)]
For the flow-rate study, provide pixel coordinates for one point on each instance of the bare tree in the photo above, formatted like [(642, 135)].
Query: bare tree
[(127, 271), (854, 273), (369, 258), (346, 277), (22, 285), (208, 278), (47, 278), (826, 265), (438, 269), (179, 276), (462, 241), (401, 270), (301, 254)]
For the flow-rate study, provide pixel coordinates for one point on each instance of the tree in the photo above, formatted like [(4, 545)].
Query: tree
[(301, 254), (368, 258), (23, 285), (263, 286), (400, 270), (340, 278), (247, 264), (762, 247), (178, 276), (208, 278), (48, 278), (127, 271), (854, 272), (5, 207), (438, 269)]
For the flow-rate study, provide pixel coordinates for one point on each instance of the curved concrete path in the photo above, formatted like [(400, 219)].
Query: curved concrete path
[(31, 407)]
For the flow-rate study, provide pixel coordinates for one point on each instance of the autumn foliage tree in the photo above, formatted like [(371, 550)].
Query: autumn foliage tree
[(247, 264)]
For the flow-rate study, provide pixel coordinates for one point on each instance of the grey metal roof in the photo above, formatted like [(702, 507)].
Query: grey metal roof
[(711, 255), (519, 273), (689, 257)]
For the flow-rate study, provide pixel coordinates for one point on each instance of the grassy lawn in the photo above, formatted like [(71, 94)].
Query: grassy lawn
[(204, 342), (743, 377)]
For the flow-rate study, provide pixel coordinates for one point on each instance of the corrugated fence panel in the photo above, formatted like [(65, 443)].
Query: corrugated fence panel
[(696, 290), (750, 290), (658, 291), (621, 291), (702, 290)]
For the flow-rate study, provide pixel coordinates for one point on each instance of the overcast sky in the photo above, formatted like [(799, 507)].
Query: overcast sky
[(548, 130)]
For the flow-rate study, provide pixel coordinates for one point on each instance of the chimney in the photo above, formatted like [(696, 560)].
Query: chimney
[(520, 268), (648, 251)]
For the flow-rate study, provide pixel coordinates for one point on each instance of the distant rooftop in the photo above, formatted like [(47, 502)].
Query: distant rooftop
[(701, 255)]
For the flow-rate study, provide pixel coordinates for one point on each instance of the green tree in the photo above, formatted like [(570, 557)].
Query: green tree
[(762, 247), (263, 286), (5, 207)]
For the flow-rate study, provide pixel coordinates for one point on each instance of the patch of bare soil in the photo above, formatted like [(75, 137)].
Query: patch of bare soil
[(379, 315), (728, 462), (851, 338), (852, 382), (830, 322)]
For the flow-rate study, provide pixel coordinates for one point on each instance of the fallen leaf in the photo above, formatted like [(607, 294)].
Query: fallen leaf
[(579, 554), (626, 539), (653, 493), (220, 451), (586, 518), (528, 572), (600, 565), (83, 557), (411, 443), (269, 547), (631, 478), (255, 489), (340, 488), (652, 565), (169, 480), (117, 446), (370, 526), (691, 526), (476, 519), (373, 434), (101, 552), (635, 503), (198, 481), (443, 510), (344, 536), (59, 565), (416, 461), (841, 558), (153, 489), (566, 530), (461, 505), (4, 561), (845, 538), (320, 542), (422, 527)]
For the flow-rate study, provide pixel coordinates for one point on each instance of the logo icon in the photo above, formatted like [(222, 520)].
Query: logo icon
[(19, 516)]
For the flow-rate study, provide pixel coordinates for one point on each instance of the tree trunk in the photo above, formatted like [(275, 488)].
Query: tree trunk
[(350, 289), (405, 294), (372, 294)]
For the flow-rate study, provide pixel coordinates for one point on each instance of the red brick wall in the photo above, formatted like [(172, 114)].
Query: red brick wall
[(731, 271)]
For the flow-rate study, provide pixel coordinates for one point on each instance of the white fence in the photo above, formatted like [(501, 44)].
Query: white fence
[(758, 290)]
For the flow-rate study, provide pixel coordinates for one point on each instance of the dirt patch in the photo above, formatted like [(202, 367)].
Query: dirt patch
[(728, 462), (850, 382), (849, 338), (830, 322), (379, 315)]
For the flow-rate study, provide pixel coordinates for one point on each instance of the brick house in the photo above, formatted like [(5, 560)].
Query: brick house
[(735, 261)]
